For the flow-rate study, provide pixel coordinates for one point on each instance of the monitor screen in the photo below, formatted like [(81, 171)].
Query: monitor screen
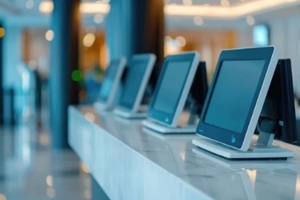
[(233, 95), (174, 84), (171, 86), (109, 78), (132, 84)]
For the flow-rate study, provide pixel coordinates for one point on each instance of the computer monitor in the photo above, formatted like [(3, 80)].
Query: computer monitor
[(279, 106), (138, 73), (171, 92), (234, 103), (110, 84)]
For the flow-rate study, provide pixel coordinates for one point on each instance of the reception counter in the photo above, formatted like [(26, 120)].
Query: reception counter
[(130, 162)]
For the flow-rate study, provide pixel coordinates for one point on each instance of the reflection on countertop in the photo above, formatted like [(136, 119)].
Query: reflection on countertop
[(162, 162)]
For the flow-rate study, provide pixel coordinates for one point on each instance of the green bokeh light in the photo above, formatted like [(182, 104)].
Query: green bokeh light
[(76, 75)]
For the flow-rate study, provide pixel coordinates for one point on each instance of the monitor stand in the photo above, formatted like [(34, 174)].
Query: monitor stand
[(260, 149), (188, 129), (126, 113), (101, 106)]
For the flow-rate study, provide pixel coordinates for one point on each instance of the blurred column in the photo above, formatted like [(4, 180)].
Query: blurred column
[(135, 26), (64, 60), (2, 33)]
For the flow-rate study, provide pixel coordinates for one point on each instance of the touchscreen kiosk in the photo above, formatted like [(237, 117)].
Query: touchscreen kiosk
[(234, 104), (135, 83), (112, 77), (171, 93)]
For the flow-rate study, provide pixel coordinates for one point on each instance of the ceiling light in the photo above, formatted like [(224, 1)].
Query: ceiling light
[(49, 35), (50, 192), (49, 181), (85, 7), (181, 41), (46, 7), (198, 20), (2, 32), (89, 39), (225, 3), (187, 2), (98, 18), (89, 7), (29, 4), (250, 20), (168, 38), (230, 12), (205, 10)]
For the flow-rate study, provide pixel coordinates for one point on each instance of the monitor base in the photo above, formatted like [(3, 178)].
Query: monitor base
[(255, 152), (100, 106), (169, 130), (130, 115)]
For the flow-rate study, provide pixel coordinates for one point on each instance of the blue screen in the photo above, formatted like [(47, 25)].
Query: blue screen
[(132, 83), (233, 94), (109, 78), (170, 88)]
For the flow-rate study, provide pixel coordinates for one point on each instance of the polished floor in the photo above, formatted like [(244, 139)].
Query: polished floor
[(30, 170)]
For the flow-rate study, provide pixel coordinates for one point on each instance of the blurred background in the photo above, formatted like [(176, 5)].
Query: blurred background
[(54, 53)]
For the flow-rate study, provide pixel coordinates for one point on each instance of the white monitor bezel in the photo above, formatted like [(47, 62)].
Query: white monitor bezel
[(137, 103), (186, 88), (109, 102), (257, 108)]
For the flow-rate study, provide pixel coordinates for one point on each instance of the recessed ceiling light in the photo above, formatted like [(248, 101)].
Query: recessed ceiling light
[(49, 35), (217, 11), (167, 37), (250, 20), (98, 18), (85, 7), (2, 32), (181, 41), (198, 20), (29, 4), (89, 39), (46, 7), (225, 3), (187, 2)]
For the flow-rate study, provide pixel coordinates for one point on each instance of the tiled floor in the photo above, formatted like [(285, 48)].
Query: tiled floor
[(29, 170)]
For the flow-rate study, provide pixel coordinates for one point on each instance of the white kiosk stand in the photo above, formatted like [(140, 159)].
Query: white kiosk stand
[(178, 74), (138, 75), (242, 92)]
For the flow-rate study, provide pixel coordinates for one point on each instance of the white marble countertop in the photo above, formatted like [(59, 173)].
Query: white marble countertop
[(131, 163)]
